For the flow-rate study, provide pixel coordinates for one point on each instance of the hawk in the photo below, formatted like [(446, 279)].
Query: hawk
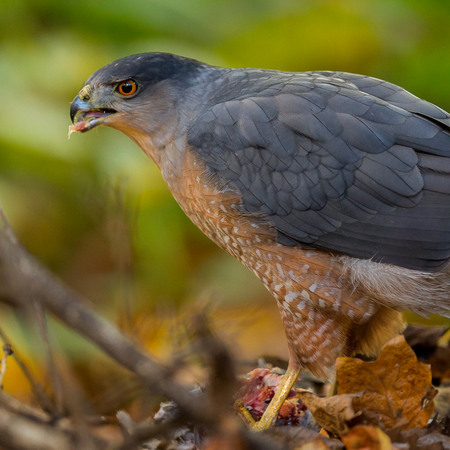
[(333, 188)]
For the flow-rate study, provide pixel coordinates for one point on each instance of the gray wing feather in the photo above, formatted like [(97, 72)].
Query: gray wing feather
[(392, 94), (336, 161)]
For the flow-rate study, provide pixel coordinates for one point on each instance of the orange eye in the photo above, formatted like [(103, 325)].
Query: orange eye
[(126, 88)]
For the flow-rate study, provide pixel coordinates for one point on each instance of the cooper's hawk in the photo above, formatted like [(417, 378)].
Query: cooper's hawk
[(333, 188)]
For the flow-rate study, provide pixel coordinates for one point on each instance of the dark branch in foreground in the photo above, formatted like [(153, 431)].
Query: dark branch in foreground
[(27, 279)]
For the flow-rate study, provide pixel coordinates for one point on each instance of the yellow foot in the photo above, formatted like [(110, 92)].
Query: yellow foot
[(246, 417), (271, 413)]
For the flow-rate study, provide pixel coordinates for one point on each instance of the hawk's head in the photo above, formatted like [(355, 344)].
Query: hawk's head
[(135, 94)]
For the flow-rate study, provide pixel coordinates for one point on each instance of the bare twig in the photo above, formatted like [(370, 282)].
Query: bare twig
[(24, 427), (37, 436), (17, 407)]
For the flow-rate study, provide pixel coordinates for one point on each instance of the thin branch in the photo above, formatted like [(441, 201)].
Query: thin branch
[(24, 427), (17, 407), (37, 436)]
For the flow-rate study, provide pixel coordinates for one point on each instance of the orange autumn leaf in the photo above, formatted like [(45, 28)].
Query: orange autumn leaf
[(395, 385)]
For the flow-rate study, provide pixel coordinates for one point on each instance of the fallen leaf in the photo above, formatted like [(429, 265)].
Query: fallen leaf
[(366, 437), (395, 385), (331, 413)]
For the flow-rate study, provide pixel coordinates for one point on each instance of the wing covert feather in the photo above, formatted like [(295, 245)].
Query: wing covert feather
[(336, 161)]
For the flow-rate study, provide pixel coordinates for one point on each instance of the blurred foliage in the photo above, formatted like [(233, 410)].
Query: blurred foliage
[(94, 208)]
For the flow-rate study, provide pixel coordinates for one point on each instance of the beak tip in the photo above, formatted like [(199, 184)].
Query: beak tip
[(74, 107)]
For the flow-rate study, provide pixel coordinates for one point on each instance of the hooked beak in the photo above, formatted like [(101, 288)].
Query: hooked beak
[(83, 115)]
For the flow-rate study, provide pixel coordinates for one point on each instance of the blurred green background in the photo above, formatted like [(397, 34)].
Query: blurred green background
[(93, 208)]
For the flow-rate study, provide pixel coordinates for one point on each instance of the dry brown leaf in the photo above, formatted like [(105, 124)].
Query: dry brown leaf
[(331, 413), (366, 437), (394, 385)]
